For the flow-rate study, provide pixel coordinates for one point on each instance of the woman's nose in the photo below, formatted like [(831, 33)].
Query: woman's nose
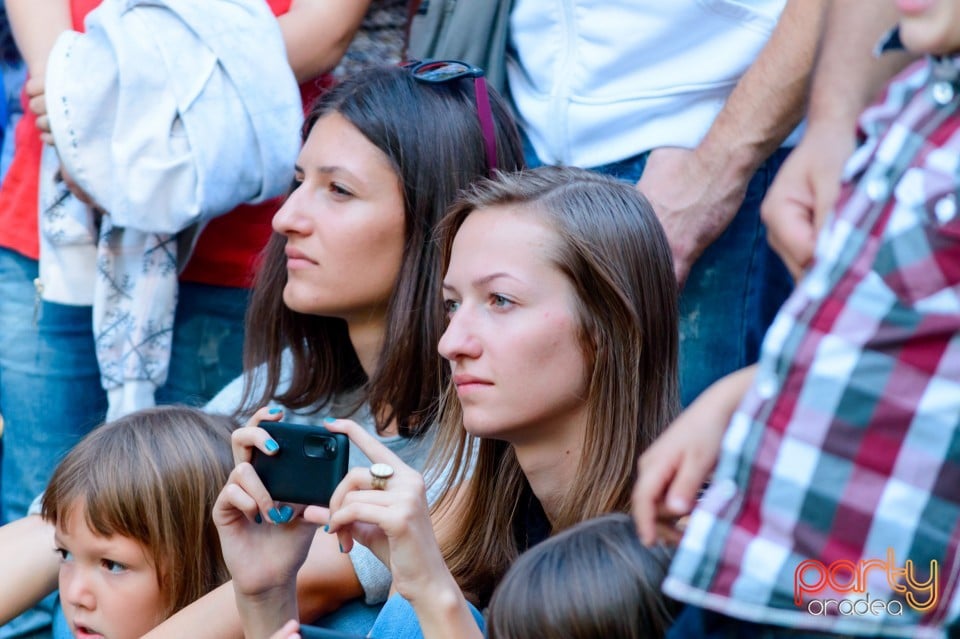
[(460, 339), (292, 216)]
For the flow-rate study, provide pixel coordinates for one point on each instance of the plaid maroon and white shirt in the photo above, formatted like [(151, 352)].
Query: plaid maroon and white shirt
[(847, 446)]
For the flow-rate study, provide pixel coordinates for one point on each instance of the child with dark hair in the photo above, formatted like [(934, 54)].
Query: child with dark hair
[(593, 581)]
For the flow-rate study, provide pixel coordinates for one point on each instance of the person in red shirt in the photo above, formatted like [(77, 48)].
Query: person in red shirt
[(50, 393)]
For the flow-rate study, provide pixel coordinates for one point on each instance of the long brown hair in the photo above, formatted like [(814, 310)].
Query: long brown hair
[(614, 253), (432, 136), (592, 581), (153, 476)]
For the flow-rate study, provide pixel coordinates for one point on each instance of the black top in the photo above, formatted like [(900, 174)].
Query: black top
[(530, 525)]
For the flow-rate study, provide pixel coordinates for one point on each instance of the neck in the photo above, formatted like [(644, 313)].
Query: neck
[(550, 463), (367, 336)]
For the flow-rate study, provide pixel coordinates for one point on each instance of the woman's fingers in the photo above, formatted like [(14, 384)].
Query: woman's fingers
[(232, 500), (244, 440), (362, 439), (247, 479)]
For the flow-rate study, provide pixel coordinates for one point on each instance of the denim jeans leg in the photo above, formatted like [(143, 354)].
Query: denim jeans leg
[(13, 76), (698, 623), (207, 351), (398, 620), (732, 294), (50, 394)]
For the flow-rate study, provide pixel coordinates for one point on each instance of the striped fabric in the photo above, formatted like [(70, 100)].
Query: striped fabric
[(847, 447)]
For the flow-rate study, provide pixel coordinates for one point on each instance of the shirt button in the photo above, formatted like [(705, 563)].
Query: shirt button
[(877, 189), (945, 209), (766, 385), (942, 92), (816, 286), (726, 489)]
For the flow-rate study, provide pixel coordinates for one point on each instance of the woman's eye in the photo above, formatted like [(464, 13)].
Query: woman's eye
[(65, 555), (500, 301), (113, 566), (339, 190), (450, 306)]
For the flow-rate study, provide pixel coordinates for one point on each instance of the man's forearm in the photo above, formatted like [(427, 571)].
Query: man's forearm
[(769, 100)]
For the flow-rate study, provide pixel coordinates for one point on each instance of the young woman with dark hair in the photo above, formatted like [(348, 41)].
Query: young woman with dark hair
[(343, 320)]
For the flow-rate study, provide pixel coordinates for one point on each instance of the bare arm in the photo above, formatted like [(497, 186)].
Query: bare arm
[(848, 76), (28, 564), (36, 25), (673, 469), (318, 32), (697, 192), (324, 583)]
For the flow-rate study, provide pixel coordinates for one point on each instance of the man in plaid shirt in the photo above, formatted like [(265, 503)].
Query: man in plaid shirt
[(835, 503)]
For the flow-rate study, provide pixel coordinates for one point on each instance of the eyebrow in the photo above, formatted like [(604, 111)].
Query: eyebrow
[(480, 281), (326, 170)]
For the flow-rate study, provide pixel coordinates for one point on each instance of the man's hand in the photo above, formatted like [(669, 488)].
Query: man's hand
[(695, 199)]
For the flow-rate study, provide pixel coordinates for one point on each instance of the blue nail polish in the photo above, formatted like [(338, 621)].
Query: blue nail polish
[(258, 519), (275, 411), (326, 528), (341, 546), (329, 420), (275, 516), (271, 445), (286, 513)]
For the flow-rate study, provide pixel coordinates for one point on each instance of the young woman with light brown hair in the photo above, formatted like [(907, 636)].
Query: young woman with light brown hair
[(561, 339)]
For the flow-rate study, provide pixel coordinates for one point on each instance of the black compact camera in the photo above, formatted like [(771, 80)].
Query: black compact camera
[(309, 465)]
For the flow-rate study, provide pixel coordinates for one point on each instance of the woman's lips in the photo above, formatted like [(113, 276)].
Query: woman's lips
[(297, 259), (469, 383)]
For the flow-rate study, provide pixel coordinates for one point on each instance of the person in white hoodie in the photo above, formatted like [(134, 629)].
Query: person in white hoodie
[(695, 101)]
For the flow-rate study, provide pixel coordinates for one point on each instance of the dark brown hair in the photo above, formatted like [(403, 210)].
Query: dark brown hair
[(153, 476), (613, 250), (592, 581), (432, 136)]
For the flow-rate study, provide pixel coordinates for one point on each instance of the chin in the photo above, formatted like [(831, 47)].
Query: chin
[(487, 427), (922, 40), (298, 303)]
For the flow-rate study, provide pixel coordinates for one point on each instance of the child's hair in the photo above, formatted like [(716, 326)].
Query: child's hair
[(615, 254), (432, 136), (153, 476), (592, 581)]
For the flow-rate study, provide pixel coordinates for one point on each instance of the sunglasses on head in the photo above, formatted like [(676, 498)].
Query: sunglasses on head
[(440, 71)]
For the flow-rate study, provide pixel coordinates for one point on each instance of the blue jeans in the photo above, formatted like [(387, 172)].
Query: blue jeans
[(697, 623), (50, 393), (13, 76), (397, 620), (733, 290)]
